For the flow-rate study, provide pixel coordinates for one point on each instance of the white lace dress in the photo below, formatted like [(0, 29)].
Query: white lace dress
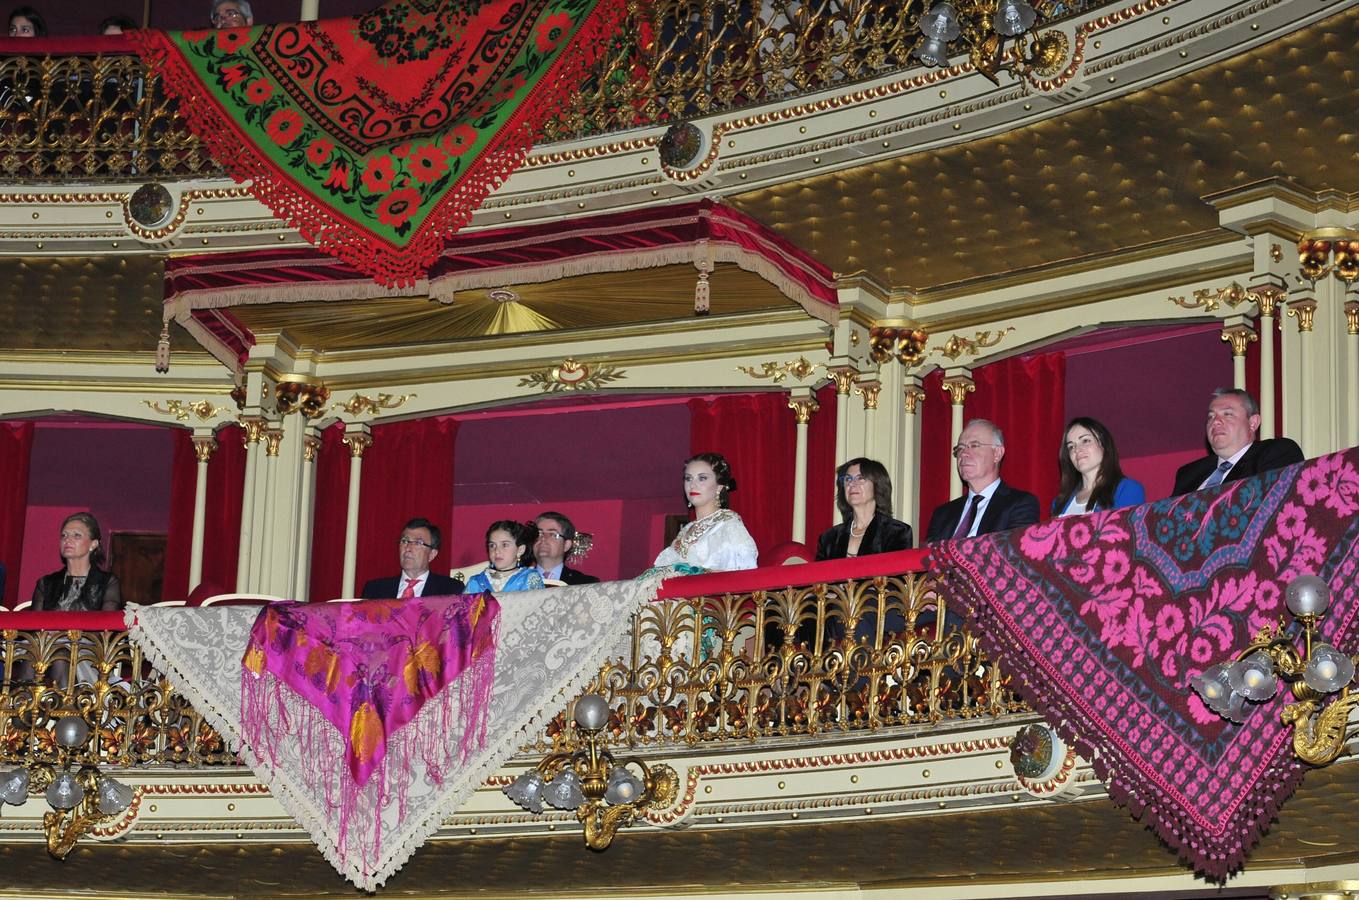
[(716, 543)]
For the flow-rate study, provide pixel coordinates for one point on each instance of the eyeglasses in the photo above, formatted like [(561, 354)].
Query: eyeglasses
[(551, 535), (848, 479), (970, 447), (230, 14), (412, 542)]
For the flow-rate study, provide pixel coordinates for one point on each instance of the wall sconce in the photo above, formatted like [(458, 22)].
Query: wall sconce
[(1320, 670), (79, 799), (1329, 251), (605, 793)]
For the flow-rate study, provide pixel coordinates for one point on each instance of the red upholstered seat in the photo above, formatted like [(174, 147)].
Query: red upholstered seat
[(789, 553)]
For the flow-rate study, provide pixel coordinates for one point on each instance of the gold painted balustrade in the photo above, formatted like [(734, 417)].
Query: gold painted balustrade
[(103, 117), (823, 658)]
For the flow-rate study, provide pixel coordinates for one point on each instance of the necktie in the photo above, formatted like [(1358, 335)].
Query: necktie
[(409, 592), (1218, 474), (970, 516)]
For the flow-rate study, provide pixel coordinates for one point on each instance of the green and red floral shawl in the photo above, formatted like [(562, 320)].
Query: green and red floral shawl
[(378, 136)]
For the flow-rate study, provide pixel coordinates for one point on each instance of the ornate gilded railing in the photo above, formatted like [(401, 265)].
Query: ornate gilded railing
[(102, 116), (844, 656)]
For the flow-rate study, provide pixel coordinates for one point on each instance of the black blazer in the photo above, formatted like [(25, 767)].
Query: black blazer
[(1009, 508), (101, 591), (883, 535), (389, 588), (1263, 456), (574, 576)]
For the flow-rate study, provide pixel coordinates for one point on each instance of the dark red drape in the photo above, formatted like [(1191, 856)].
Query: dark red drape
[(222, 517), (1025, 397), (821, 463), (331, 491), (179, 541), (756, 433), (16, 446), (935, 462), (407, 472)]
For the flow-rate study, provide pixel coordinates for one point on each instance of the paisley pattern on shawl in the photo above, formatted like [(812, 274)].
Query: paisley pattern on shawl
[(1104, 617), (376, 136), (369, 667)]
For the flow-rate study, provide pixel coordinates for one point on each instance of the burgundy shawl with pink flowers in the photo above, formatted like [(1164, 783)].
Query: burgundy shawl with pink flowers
[(1103, 618)]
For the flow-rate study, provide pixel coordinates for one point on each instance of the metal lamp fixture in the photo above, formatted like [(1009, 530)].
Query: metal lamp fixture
[(605, 792), (984, 26), (80, 799), (1320, 729)]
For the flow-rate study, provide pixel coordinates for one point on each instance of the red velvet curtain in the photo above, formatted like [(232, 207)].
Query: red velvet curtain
[(331, 491), (1025, 397), (179, 541), (821, 463), (16, 446), (756, 433), (222, 517), (407, 472)]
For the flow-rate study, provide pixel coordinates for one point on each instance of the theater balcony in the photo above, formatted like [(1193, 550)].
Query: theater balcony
[(766, 229)]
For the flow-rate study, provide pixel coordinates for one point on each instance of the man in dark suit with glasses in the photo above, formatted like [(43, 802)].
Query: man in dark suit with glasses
[(418, 545)]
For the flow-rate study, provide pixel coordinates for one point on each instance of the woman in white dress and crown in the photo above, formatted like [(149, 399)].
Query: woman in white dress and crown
[(716, 540)]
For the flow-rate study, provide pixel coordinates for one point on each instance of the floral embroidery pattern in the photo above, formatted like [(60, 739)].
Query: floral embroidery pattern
[(1104, 617)]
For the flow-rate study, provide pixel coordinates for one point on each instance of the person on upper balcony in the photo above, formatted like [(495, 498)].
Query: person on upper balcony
[(231, 14), (80, 585), (716, 540), (416, 549), (508, 562), (554, 543), (864, 498), (26, 22), (1091, 478), (1233, 421), (989, 504), (117, 24)]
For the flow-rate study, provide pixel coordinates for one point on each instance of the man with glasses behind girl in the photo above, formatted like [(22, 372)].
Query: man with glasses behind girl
[(231, 14), (417, 547), (556, 538)]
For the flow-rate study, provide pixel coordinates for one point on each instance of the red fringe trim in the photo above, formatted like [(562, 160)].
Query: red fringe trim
[(387, 263)]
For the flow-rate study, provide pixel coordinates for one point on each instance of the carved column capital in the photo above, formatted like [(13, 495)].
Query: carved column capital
[(1352, 316), (958, 387), (253, 429), (203, 446), (912, 396), (843, 376), (1304, 309), (869, 390), (358, 442), (1239, 336), (1267, 298), (273, 437), (803, 407), (311, 445)]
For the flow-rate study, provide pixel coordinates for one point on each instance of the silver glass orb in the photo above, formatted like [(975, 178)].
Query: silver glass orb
[(592, 712), (71, 731), (1307, 595)]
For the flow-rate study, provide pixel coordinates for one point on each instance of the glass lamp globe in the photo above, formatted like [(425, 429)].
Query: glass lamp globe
[(1329, 669), (1013, 17), (1307, 595), (114, 796), (563, 792), (592, 712), (14, 786), (65, 792), (71, 731), (933, 52), (1213, 688), (623, 787), (1253, 677), (527, 790), (941, 23)]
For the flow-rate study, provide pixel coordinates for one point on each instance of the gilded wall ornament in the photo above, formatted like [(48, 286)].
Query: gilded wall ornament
[(570, 375), (1209, 300), (905, 345), (799, 369), (299, 396), (203, 410), (359, 404), (957, 345)]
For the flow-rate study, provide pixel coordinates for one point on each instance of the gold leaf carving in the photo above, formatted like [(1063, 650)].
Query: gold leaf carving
[(570, 375)]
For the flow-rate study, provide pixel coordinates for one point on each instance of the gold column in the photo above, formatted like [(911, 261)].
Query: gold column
[(908, 466), (1267, 299), (869, 390), (957, 385), (358, 436), (1352, 372), (311, 445), (803, 404), (262, 566), (843, 376), (1236, 331), (254, 430), (203, 445)]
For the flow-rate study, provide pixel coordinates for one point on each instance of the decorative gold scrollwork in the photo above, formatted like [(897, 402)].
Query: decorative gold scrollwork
[(799, 370), (203, 410), (358, 404), (571, 375)]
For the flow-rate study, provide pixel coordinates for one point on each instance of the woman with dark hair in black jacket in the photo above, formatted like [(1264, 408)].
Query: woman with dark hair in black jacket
[(864, 498)]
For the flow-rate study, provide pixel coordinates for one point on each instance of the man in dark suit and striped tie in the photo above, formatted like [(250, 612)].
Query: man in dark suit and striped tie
[(1233, 420), (989, 505)]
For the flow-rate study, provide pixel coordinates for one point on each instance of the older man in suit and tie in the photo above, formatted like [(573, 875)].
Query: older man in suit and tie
[(989, 504), (1233, 420), (417, 547)]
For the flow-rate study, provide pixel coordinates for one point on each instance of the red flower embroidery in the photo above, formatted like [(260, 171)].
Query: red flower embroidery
[(507, 89), (459, 139), (397, 207), (233, 75), (318, 151), (378, 174), (552, 32), (258, 91), (427, 163), (338, 177), (229, 40), (284, 127)]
